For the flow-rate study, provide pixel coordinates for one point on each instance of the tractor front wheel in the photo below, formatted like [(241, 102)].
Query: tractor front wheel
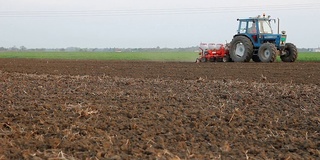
[(290, 53), (241, 49), (267, 52)]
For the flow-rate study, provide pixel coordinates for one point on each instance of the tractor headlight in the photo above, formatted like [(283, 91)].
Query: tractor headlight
[(283, 32)]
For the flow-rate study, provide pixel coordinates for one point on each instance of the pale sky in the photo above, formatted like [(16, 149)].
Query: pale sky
[(147, 23)]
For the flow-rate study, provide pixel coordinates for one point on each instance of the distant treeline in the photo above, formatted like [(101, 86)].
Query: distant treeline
[(78, 49)]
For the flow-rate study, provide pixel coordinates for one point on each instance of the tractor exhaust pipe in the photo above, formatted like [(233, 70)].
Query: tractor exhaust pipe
[(278, 25)]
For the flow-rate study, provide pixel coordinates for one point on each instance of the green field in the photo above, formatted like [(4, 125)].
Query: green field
[(309, 56), (138, 56)]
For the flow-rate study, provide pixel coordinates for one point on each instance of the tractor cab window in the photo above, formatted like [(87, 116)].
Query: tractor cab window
[(243, 27), (252, 27), (265, 27)]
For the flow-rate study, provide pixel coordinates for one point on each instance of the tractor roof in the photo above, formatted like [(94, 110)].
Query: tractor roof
[(255, 18)]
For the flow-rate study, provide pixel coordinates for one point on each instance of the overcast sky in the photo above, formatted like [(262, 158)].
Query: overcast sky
[(147, 23)]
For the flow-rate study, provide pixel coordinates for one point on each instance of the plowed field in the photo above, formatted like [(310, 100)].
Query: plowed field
[(53, 109)]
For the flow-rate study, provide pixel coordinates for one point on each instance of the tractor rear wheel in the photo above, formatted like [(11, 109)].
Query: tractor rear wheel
[(241, 49), (290, 53), (267, 52)]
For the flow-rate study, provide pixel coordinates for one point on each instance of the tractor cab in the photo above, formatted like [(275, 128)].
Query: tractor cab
[(255, 26)]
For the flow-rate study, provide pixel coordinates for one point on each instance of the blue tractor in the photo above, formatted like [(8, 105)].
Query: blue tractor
[(255, 40)]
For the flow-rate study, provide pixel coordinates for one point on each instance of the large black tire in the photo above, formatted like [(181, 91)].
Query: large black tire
[(241, 49), (291, 53), (267, 52)]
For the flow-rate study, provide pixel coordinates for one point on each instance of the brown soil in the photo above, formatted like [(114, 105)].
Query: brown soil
[(158, 110)]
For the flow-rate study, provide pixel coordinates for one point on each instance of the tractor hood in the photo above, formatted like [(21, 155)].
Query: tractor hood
[(277, 39), (271, 36)]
